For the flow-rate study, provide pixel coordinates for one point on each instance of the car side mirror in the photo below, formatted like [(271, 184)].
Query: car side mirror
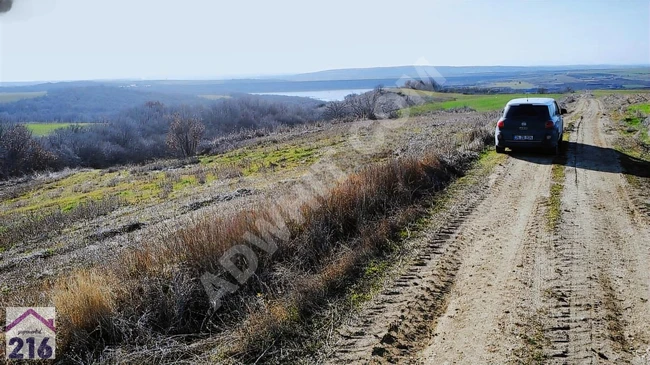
[(563, 111)]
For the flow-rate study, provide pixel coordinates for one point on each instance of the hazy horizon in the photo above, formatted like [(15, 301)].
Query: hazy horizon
[(272, 76), (67, 40)]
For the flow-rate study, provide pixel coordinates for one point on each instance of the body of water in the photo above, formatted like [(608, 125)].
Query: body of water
[(324, 95)]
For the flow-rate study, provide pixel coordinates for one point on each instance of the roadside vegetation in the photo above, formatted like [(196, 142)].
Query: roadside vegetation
[(151, 295), (554, 213), (632, 121), (637, 120)]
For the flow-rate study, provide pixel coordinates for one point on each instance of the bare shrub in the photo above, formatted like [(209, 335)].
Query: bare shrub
[(166, 188), (230, 171), (20, 154), (184, 134), (164, 165), (201, 176)]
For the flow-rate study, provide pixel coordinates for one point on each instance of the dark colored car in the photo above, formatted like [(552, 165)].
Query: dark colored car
[(530, 123)]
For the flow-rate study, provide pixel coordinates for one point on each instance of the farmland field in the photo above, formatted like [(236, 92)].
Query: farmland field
[(44, 129), (481, 103)]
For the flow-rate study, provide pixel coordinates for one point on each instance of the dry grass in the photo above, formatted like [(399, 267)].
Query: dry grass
[(86, 299), (33, 225), (149, 304), (321, 244)]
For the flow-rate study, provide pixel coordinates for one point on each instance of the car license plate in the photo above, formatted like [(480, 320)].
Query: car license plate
[(523, 138)]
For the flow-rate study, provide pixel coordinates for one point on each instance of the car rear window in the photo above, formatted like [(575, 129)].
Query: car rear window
[(527, 111)]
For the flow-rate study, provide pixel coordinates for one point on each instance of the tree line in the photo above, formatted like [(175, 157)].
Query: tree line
[(154, 130), (144, 133)]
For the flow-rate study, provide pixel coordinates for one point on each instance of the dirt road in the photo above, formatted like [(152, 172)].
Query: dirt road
[(500, 283)]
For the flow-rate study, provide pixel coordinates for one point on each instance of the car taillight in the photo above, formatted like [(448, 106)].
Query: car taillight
[(501, 124), (550, 124)]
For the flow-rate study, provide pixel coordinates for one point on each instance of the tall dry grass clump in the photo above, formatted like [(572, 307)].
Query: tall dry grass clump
[(84, 302)]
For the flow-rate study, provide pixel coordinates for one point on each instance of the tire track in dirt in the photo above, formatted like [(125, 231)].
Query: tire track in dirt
[(498, 285), (484, 305), (567, 297), (401, 315), (468, 251), (595, 302)]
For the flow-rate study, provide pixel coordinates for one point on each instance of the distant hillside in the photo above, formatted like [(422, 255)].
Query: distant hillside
[(83, 104), (446, 71), (100, 102), (553, 78)]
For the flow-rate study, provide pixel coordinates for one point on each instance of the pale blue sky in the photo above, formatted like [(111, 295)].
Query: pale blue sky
[(93, 39)]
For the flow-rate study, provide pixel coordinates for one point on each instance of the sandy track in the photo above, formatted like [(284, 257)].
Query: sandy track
[(497, 284)]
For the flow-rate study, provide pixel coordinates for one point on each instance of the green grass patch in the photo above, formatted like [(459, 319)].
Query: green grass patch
[(555, 200), (634, 118), (145, 188), (12, 97), (369, 284), (258, 159), (84, 186), (645, 108), (491, 102), (184, 182), (481, 103), (45, 129)]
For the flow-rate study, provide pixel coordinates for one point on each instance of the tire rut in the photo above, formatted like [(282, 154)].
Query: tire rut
[(598, 290), (403, 315)]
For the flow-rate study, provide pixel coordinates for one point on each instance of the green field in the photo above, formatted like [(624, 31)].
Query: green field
[(11, 97), (44, 129), (481, 103)]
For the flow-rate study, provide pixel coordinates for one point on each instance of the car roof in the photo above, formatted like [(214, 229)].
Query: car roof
[(537, 101)]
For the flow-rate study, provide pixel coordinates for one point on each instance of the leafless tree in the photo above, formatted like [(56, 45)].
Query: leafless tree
[(184, 134), (20, 153), (336, 110)]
